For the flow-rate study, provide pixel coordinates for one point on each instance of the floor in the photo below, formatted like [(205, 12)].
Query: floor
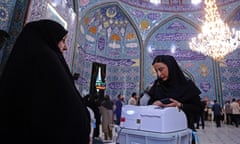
[(226, 134)]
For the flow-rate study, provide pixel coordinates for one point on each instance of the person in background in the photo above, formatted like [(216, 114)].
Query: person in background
[(201, 115), (39, 102), (92, 124), (235, 112), (106, 110), (92, 102), (171, 83), (217, 112), (228, 112), (134, 99), (145, 97), (238, 101), (210, 111), (118, 108), (205, 109)]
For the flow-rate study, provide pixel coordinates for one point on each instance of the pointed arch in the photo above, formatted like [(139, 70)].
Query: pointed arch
[(149, 37), (230, 18), (166, 21), (118, 4), (108, 33)]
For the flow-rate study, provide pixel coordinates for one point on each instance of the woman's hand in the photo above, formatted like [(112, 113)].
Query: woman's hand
[(158, 103), (174, 103)]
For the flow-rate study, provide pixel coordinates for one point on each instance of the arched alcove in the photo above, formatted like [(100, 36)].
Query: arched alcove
[(229, 69), (107, 35)]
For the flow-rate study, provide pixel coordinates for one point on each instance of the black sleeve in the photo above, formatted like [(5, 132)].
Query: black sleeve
[(191, 99), (153, 93)]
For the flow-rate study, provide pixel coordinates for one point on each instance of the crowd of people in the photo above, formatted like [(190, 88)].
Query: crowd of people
[(231, 111), (228, 113)]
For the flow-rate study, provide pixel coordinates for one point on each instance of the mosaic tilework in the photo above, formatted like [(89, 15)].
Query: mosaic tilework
[(17, 11), (160, 32), (178, 5), (40, 10), (126, 35), (107, 36), (229, 68), (6, 13)]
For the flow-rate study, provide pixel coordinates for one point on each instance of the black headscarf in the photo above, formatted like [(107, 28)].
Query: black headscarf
[(176, 78), (177, 86), (39, 102)]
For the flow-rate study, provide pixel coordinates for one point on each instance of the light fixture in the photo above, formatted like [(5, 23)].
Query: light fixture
[(155, 1), (195, 2), (216, 39)]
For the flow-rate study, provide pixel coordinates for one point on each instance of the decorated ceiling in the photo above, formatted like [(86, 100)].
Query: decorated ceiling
[(164, 5)]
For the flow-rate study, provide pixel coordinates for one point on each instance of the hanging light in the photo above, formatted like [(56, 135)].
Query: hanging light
[(216, 39), (155, 1)]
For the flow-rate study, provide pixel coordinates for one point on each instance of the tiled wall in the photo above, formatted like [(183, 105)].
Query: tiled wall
[(6, 13), (126, 35), (60, 11), (156, 30), (12, 16)]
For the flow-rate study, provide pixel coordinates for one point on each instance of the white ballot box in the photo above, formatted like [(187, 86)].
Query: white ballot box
[(130, 117), (132, 136), (153, 118)]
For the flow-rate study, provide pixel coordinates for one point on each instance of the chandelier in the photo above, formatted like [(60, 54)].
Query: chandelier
[(216, 39)]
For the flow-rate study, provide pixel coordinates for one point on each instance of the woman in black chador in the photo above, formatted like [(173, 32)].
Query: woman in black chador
[(39, 102), (173, 85)]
